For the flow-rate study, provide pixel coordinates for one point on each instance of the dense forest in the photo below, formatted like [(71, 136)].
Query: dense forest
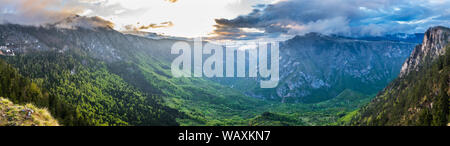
[(81, 94)]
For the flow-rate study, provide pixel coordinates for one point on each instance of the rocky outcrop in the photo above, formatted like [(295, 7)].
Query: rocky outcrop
[(433, 46), (420, 95)]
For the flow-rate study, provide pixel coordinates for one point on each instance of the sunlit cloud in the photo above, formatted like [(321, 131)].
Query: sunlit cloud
[(239, 19), (33, 12), (188, 18)]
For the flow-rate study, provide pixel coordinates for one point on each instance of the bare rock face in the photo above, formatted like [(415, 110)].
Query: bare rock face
[(433, 46)]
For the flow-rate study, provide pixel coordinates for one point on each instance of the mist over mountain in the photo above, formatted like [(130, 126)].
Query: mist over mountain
[(433, 46)]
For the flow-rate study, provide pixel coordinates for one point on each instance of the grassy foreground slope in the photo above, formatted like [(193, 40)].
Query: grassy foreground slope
[(26, 115)]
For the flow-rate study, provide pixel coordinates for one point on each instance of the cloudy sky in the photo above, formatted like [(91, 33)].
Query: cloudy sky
[(241, 19)]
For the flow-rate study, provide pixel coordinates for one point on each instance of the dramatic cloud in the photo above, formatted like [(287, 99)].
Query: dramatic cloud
[(35, 12), (193, 18), (172, 1), (343, 17), (137, 28)]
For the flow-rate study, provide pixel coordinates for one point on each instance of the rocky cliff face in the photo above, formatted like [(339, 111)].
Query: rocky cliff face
[(433, 46), (420, 95)]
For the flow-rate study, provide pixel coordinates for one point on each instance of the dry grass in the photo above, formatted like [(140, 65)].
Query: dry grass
[(28, 115)]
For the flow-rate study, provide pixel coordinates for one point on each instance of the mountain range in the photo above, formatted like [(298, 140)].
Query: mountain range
[(86, 73), (316, 68)]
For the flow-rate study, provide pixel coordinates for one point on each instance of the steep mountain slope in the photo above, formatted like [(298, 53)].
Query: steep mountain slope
[(420, 95), (28, 115), (316, 67)]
